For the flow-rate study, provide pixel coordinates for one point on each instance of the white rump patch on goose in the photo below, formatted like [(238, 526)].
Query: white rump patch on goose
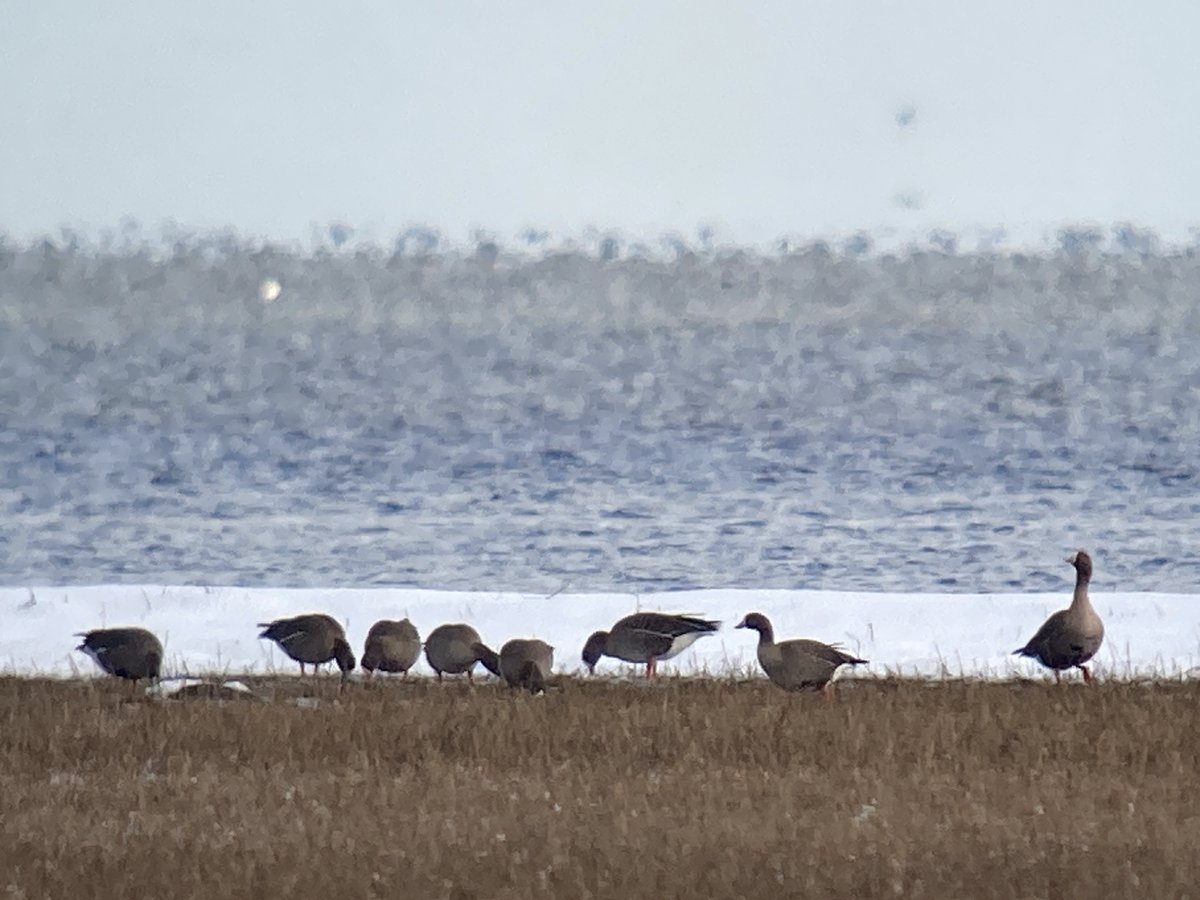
[(682, 642)]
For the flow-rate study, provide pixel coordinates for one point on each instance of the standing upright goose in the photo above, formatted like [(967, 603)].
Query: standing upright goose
[(132, 653), (522, 662), (312, 638), (647, 638), (454, 649), (1071, 636), (391, 646), (798, 664)]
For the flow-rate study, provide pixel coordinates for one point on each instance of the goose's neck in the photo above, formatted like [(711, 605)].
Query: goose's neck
[(1080, 600), (487, 656), (766, 635)]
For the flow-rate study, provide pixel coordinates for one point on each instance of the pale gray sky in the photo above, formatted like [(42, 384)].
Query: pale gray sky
[(762, 118)]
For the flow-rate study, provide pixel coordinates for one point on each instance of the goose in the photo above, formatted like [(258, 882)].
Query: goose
[(132, 653), (522, 663), (1071, 636), (798, 664), (647, 638), (453, 649), (391, 646), (313, 638)]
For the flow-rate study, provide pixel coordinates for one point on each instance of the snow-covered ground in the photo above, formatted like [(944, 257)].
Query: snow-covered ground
[(212, 630)]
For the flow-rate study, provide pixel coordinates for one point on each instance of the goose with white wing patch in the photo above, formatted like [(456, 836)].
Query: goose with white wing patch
[(648, 638), (313, 639)]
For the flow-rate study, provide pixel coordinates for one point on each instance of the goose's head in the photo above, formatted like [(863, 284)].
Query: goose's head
[(1082, 563), (595, 647), (344, 656), (756, 622)]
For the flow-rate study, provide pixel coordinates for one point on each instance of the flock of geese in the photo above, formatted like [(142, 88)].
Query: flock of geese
[(1068, 639)]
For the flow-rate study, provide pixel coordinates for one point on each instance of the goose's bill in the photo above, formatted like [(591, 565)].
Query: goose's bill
[(1072, 558)]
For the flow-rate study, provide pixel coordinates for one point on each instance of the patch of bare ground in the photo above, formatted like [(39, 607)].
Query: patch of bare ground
[(697, 788)]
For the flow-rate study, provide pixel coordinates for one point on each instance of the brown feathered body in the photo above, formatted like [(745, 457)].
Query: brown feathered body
[(647, 637), (1071, 636), (452, 650), (523, 663), (798, 664), (132, 653), (313, 638), (391, 646)]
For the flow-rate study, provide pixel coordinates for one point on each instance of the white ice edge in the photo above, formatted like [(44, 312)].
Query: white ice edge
[(211, 630)]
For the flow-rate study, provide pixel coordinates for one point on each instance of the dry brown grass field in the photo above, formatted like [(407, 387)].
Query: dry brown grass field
[(689, 788)]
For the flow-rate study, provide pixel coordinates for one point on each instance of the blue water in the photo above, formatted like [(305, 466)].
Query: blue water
[(811, 419)]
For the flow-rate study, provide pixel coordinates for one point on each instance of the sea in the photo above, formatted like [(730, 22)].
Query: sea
[(599, 414)]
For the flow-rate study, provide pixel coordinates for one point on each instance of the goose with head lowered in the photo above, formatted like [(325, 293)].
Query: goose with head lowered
[(391, 646), (798, 664), (523, 663), (313, 639), (453, 649), (1071, 636), (647, 637), (132, 653)]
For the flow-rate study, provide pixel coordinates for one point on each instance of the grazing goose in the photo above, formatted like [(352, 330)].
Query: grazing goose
[(798, 664), (1071, 636), (522, 663), (646, 638), (313, 638), (132, 653), (454, 649), (391, 647)]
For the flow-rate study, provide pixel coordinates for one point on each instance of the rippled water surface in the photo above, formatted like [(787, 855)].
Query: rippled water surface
[(810, 419)]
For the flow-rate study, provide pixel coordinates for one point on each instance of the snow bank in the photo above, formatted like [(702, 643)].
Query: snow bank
[(212, 629)]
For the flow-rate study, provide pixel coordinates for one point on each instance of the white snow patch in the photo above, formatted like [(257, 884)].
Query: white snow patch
[(169, 687), (212, 630)]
